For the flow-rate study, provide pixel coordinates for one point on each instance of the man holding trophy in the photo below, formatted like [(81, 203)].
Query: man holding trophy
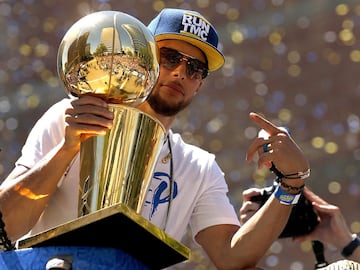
[(187, 185)]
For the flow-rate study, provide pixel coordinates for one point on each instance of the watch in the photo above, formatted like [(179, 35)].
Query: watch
[(349, 249)]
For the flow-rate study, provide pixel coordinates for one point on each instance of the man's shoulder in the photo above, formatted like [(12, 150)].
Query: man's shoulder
[(188, 148), (59, 105)]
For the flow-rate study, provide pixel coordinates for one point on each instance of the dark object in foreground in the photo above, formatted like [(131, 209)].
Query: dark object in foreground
[(302, 220)]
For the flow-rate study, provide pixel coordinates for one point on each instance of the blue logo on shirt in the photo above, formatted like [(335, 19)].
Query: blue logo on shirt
[(161, 192)]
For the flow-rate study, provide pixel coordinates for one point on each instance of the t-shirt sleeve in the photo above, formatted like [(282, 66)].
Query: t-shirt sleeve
[(213, 206), (47, 132)]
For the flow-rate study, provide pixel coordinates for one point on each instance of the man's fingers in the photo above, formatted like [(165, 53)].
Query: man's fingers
[(247, 210), (258, 145), (265, 124), (90, 100), (250, 192), (312, 197)]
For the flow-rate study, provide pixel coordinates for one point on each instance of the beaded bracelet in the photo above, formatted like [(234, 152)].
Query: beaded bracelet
[(280, 175), (301, 175), (288, 188)]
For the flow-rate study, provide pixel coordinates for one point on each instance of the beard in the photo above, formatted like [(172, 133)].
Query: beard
[(163, 107)]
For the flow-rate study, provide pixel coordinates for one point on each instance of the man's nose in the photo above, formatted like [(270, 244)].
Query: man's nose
[(180, 70)]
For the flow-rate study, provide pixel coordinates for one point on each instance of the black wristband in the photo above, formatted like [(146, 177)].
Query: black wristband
[(349, 249)]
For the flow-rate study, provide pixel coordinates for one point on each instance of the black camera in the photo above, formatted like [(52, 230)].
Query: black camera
[(302, 219)]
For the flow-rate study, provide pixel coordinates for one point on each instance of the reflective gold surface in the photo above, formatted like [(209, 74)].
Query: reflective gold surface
[(113, 55), (109, 54), (118, 167)]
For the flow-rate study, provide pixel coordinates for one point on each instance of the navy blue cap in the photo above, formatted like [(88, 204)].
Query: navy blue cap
[(189, 26)]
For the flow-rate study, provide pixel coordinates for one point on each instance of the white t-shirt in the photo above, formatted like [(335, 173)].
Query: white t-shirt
[(199, 193)]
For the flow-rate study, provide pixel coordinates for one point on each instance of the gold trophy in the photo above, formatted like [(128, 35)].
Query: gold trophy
[(112, 55)]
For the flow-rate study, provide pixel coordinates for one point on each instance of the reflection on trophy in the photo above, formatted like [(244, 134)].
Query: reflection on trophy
[(112, 55)]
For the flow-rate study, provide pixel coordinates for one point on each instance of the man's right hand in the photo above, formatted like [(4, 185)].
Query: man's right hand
[(249, 208), (88, 116)]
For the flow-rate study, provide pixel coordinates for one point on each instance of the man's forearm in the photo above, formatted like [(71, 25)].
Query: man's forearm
[(255, 237), (25, 192)]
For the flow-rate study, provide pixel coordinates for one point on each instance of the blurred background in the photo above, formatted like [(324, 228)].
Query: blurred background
[(296, 62)]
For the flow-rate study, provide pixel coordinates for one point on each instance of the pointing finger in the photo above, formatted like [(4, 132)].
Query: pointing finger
[(265, 124)]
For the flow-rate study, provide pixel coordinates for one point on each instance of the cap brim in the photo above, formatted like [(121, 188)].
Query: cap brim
[(215, 58)]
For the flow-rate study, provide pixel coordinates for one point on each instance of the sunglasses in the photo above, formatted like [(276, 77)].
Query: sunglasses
[(171, 59)]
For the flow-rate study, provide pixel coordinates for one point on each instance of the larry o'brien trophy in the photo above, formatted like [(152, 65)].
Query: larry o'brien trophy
[(112, 55)]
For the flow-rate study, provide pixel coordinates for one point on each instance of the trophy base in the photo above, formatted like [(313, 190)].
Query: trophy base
[(119, 227)]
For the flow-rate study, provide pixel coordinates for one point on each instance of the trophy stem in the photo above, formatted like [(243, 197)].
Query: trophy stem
[(118, 167)]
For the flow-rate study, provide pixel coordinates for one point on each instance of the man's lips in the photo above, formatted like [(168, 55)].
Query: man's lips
[(174, 87)]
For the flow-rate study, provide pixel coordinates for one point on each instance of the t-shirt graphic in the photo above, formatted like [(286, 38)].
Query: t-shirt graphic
[(159, 192)]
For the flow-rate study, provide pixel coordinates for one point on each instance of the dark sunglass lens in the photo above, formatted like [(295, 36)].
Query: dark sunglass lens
[(196, 69), (190, 69), (172, 58)]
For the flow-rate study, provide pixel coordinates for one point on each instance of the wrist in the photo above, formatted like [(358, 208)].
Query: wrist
[(295, 187), (286, 198), (298, 175)]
